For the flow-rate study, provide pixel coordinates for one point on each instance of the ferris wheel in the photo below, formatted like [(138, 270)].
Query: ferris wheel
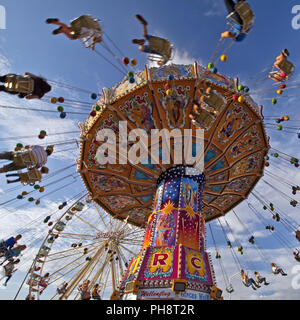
[(84, 244)]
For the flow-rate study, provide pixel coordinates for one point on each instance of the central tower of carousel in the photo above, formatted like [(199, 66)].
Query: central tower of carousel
[(172, 200)]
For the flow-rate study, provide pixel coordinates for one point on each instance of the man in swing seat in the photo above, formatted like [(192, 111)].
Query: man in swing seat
[(241, 19), (248, 281), (296, 254), (8, 270), (283, 64), (156, 46), (83, 27), (30, 177), (28, 86), (260, 279), (285, 67), (277, 270), (9, 243), (33, 157)]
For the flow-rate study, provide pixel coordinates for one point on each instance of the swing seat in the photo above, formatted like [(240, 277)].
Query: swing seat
[(286, 66), (243, 9), (163, 48), (44, 251), (230, 289), (32, 176), (32, 282), (276, 77), (24, 159), (50, 240), (214, 101), (203, 118), (79, 206), (85, 21), (246, 284), (19, 84), (60, 226)]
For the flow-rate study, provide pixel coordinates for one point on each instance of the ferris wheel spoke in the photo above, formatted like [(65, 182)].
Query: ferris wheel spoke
[(100, 271), (120, 261), (112, 265), (71, 250), (86, 222), (65, 266), (128, 250), (100, 215), (133, 235), (55, 295), (62, 257), (106, 277), (131, 241), (77, 236)]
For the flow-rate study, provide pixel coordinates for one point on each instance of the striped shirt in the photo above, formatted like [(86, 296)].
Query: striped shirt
[(40, 155)]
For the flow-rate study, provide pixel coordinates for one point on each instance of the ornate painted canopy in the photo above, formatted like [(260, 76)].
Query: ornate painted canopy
[(235, 141)]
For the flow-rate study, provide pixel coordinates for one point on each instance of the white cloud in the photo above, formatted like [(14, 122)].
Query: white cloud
[(216, 8), (5, 65), (182, 57)]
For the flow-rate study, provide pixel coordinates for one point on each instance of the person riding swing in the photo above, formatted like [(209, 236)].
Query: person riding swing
[(156, 46), (240, 17), (248, 281), (33, 157), (283, 66), (84, 28), (30, 177), (28, 86)]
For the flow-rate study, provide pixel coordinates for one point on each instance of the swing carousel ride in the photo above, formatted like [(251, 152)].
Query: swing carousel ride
[(139, 229)]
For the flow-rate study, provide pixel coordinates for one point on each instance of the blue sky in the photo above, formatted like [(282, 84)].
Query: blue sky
[(194, 28)]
